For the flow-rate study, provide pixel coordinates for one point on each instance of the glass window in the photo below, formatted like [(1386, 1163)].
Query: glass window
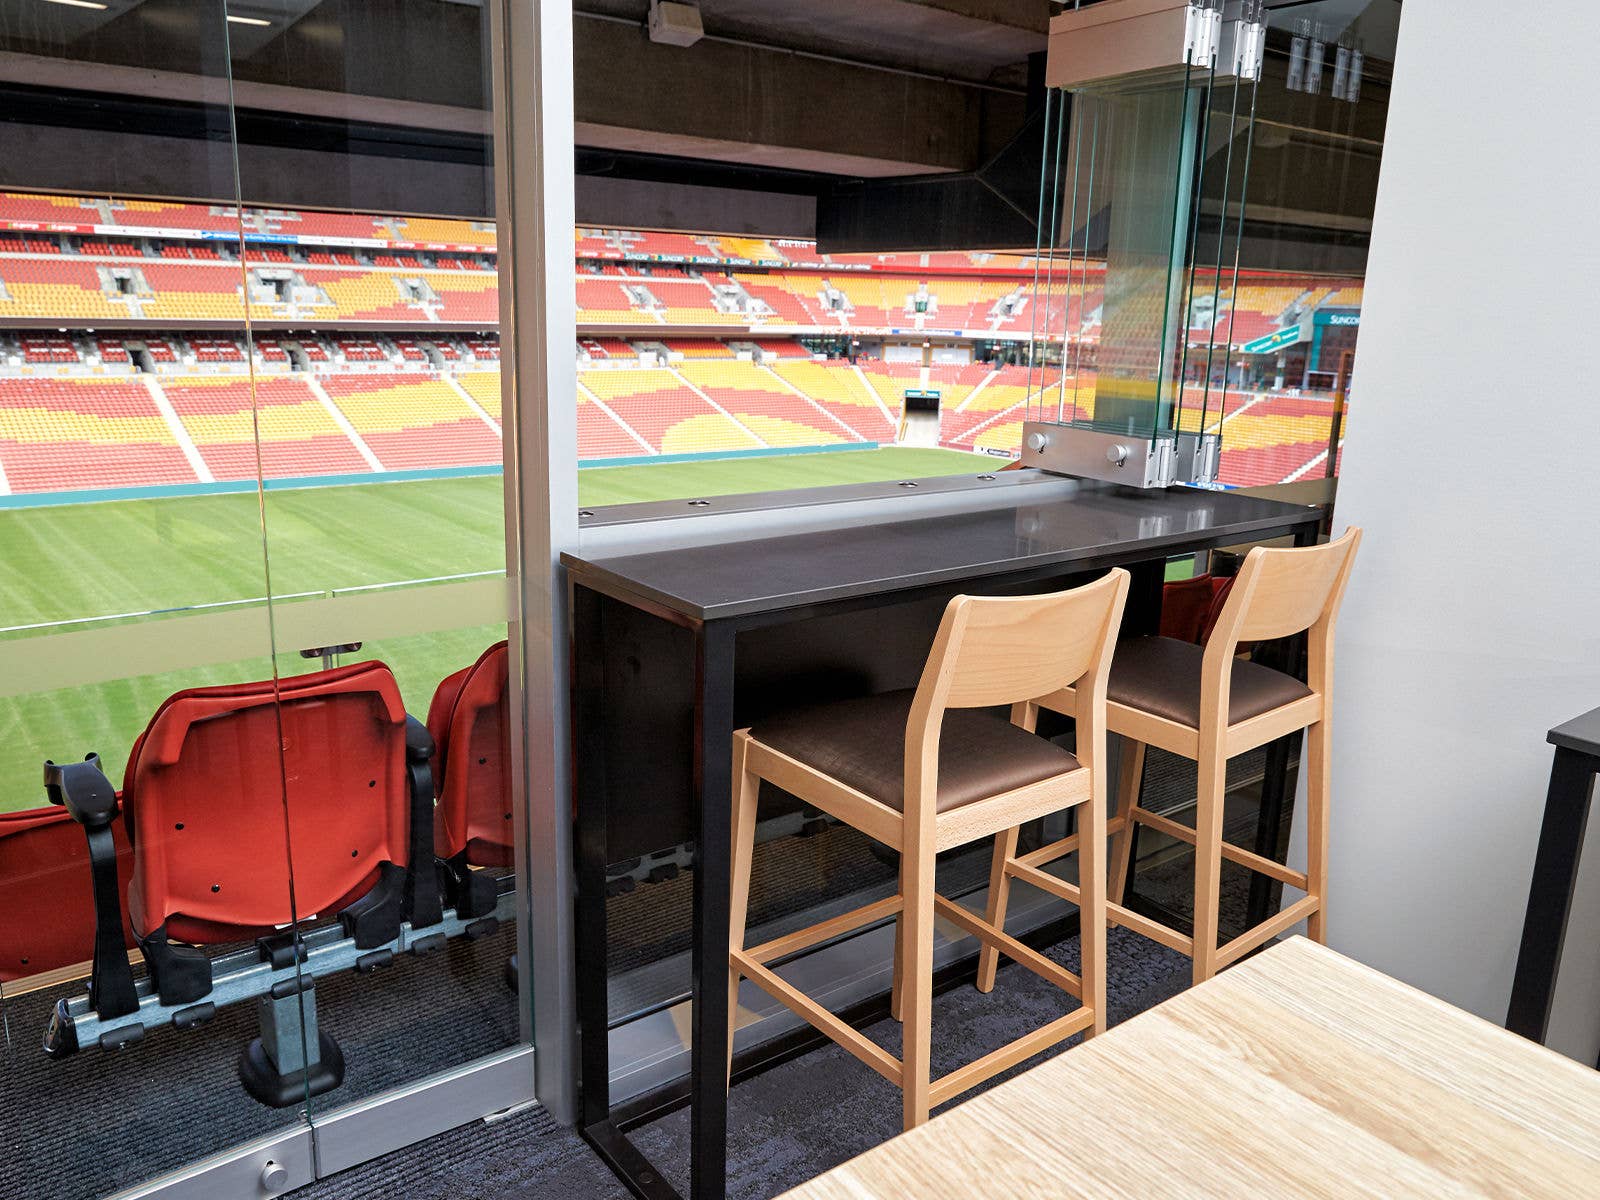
[(133, 625), (255, 557)]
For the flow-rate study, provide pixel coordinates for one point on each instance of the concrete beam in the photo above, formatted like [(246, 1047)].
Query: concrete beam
[(741, 103)]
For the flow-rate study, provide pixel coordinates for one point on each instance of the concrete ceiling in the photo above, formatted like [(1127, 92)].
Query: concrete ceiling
[(973, 40)]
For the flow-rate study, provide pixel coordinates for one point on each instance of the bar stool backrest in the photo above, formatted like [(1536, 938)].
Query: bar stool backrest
[(1280, 592), (993, 650)]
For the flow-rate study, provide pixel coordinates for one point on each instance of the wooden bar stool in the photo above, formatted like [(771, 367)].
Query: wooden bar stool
[(1172, 694), (922, 772)]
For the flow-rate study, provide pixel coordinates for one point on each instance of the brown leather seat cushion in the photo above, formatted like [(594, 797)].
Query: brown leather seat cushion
[(861, 743), (1162, 677)]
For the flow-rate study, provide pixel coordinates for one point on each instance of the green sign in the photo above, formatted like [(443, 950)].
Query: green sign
[(1289, 335)]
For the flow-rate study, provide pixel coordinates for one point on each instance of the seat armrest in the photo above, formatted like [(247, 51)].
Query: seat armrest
[(424, 903), (419, 742), (84, 791)]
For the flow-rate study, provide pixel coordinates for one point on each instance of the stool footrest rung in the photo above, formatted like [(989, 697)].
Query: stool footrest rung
[(1266, 931), (1067, 845), (1236, 854), (1154, 930), (822, 931), (949, 1086), (1023, 955), (807, 1009)]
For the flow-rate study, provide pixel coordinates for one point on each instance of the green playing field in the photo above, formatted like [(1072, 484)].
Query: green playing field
[(64, 564)]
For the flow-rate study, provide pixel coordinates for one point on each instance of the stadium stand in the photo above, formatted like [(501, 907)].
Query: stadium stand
[(699, 348), (601, 435), (890, 381), (67, 434), (484, 387), (842, 392), (30, 209), (414, 274), (413, 420), (761, 402), (666, 412), (298, 436)]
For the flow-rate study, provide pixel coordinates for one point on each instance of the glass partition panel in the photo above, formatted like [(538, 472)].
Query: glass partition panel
[(1291, 332), (370, 258), (145, 914)]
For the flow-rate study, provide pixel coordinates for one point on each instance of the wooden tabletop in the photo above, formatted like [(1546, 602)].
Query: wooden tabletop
[(1298, 1073)]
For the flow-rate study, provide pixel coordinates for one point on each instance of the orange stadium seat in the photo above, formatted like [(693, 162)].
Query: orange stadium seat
[(158, 214), (765, 405), (62, 434), (840, 390), (663, 410), (484, 387), (298, 436), (57, 210), (414, 420)]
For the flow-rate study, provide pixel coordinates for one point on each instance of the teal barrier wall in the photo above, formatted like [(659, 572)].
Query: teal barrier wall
[(155, 491)]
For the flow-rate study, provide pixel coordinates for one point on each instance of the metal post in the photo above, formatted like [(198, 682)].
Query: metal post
[(531, 75)]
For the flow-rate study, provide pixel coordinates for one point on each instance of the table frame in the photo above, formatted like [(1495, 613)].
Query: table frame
[(714, 650), (1573, 772)]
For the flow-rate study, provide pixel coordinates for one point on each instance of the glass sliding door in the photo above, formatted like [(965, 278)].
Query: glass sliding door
[(372, 293), (253, 556), (147, 906)]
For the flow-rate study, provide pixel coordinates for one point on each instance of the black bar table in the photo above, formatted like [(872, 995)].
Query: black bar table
[(708, 597), (1555, 873)]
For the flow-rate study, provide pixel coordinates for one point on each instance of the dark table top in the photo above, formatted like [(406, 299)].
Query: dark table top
[(1097, 524), (1581, 734)]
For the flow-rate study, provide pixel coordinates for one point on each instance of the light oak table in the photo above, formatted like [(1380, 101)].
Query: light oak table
[(1298, 1073)]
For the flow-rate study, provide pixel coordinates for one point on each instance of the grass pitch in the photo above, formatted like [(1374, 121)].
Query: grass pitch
[(174, 553)]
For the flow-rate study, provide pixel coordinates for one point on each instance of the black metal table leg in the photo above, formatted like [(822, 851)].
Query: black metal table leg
[(1555, 873), (588, 709), (708, 1053)]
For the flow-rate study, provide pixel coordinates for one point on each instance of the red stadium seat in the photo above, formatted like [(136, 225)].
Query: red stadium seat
[(472, 763), (1185, 606), (261, 810), (47, 919), (205, 778)]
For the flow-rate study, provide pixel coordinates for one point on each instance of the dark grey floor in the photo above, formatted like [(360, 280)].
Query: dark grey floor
[(526, 1156), (786, 1124), (94, 1123)]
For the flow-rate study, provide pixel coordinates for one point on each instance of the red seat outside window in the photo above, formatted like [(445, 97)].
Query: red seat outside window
[(472, 770), (217, 816)]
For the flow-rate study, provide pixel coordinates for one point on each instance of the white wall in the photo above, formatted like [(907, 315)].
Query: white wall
[(1473, 619)]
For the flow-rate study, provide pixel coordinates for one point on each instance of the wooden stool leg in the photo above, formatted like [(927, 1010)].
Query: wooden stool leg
[(1005, 848), (746, 790), (1092, 906), (1208, 857), (1130, 773), (917, 967), (1318, 780), (896, 990)]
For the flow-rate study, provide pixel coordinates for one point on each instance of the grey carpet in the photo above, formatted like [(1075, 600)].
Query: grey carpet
[(93, 1123), (523, 1157), (785, 1125), (649, 933), (814, 1112)]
